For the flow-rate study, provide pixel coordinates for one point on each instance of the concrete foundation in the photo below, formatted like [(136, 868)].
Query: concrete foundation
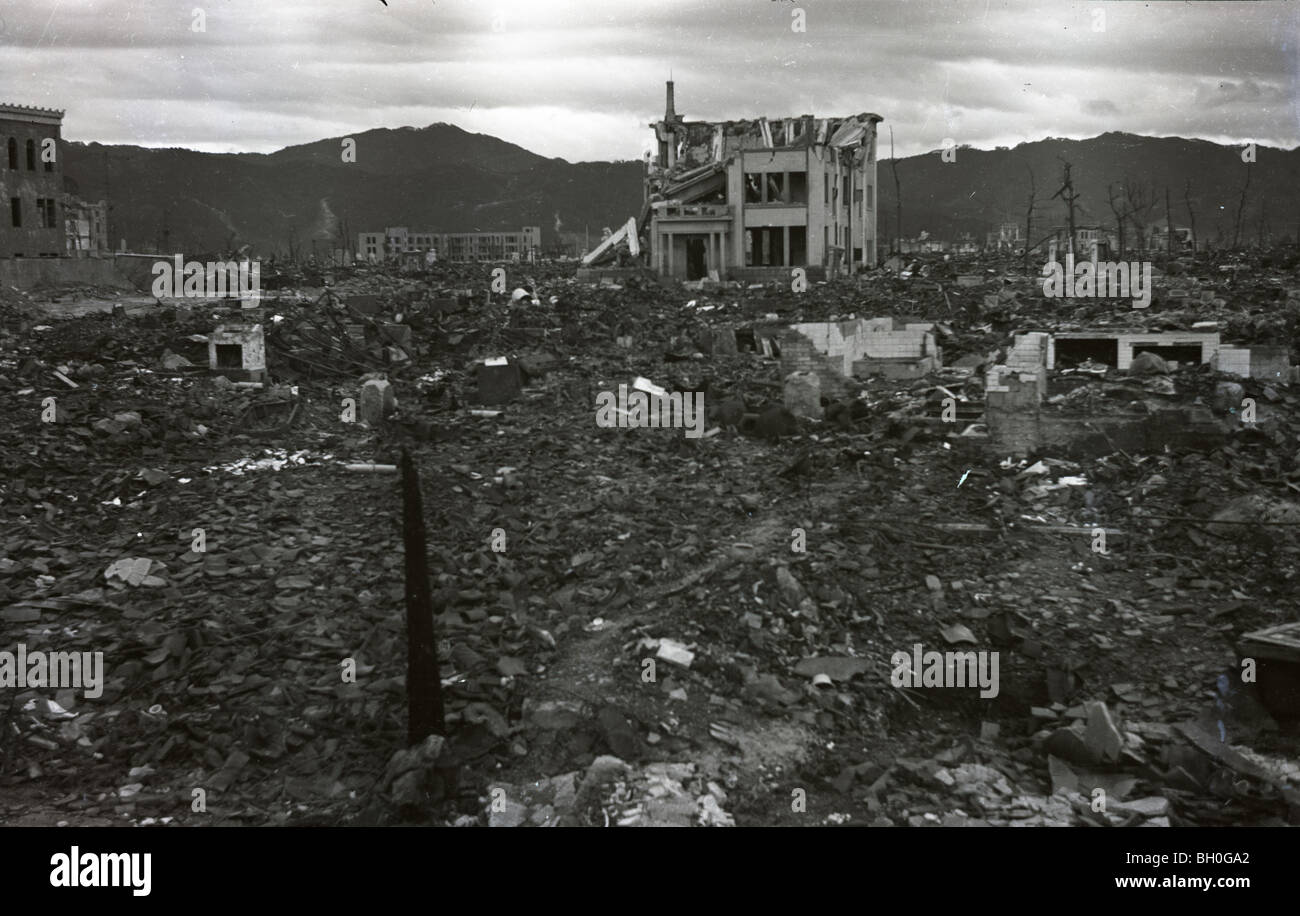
[(1117, 349), (1181, 346)]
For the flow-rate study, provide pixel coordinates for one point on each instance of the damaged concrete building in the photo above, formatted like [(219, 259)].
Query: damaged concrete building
[(750, 200), (31, 182)]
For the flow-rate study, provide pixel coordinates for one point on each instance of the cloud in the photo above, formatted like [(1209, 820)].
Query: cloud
[(580, 80), (1101, 108)]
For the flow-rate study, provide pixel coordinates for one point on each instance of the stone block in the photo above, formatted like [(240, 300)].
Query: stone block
[(377, 401)]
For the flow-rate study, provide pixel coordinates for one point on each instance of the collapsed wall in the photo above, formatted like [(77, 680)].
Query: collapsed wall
[(838, 350)]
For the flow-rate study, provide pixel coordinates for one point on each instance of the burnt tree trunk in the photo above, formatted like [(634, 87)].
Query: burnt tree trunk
[(423, 681)]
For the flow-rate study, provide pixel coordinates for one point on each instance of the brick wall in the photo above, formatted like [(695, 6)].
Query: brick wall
[(799, 354), (1025, 431), (835, 349)]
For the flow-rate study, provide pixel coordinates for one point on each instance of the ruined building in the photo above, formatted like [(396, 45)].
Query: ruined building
[(31, 183), (398, 242), (754, 199)]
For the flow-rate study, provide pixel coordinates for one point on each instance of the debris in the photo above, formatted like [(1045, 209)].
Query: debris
[(675, 652), (803, 394)]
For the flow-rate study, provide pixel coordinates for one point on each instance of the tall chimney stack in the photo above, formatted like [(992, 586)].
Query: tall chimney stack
[(670, 113)]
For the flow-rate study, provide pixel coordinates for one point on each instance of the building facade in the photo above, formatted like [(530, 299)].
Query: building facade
[(760, 197), (398, 243), (1088, 241), (1006, 238), (85, 227), (31, 183)]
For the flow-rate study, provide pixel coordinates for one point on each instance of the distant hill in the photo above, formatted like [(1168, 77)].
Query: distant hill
[(444, 178), (985, 187), (438, 177)]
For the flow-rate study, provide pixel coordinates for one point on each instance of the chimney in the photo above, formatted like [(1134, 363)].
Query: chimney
[(670, 113)]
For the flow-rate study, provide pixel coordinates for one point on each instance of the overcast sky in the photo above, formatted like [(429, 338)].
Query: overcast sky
[(580, 79)]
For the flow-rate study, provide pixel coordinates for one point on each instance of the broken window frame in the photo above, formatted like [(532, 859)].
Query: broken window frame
[(776, 189)]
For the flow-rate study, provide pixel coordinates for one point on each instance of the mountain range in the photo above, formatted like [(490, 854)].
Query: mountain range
[(442, 178)]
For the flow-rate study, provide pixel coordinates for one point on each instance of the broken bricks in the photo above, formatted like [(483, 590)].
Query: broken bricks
[(135, 571)]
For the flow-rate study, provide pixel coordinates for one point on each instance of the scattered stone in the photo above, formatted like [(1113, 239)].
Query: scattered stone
[(1103, 738), (791, 589), (1148, 363)]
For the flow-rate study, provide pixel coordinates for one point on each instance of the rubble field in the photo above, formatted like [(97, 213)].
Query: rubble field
[(754, 623)]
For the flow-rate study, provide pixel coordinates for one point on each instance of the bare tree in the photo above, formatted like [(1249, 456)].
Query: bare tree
[(1067, 194), (1121, 214), (1030, 203), (1169, 226), (1191, 214), (1141, 200), (1241, 207)]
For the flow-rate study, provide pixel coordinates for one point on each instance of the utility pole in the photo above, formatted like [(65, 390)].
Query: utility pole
[(1029, 213), (423, 680), (108, 197), (898, 195), (1169, 226)]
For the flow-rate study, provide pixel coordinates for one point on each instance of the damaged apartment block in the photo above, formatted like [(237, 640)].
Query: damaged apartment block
[(751, 200)]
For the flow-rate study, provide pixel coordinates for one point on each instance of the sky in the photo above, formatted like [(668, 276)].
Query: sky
[(581, 79)]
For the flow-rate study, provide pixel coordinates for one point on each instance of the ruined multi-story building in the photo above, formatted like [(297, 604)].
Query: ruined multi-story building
[(31, 183), (85, 227), (396, 242), (757, 198)]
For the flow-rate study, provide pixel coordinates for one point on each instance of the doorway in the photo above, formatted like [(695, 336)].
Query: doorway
[(697, 266)]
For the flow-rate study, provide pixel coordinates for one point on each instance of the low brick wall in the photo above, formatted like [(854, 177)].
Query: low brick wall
[(837, 350), (1019, 431), (26, 273)]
